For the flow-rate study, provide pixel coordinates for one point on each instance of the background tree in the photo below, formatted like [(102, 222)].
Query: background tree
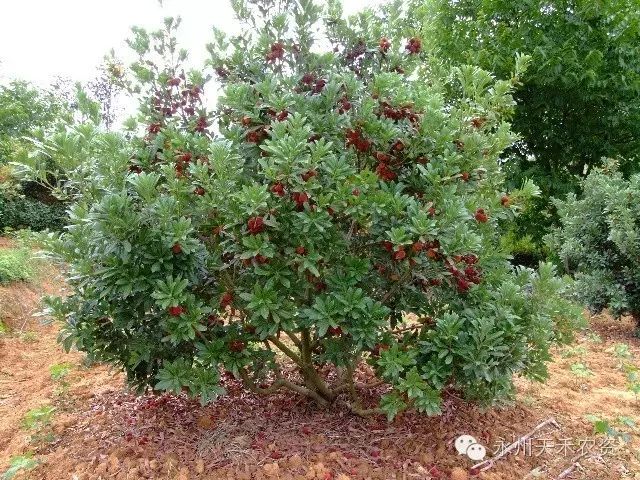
[(600, 241), (580, 99), (27, 113), (353, 181)]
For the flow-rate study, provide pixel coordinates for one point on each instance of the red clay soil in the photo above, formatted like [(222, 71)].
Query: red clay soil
[(101, 431)]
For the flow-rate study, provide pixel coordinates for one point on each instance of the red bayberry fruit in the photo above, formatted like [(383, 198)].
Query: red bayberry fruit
[(154, 128), (335, 331), (422, 160), (417, 247), (278, 189), (462, 284), (388, 246), (300, 198), (177, 248), (478, 122), (465, 176), (355, 192), (432, 253), (398, 146), (201, 125), (382, 157), (400, 254), (246, 121), (300, 250), (309, 174), (384, 45), (176, 310), (173, 82), (481, 216), (277, 52), (135, 169), (414, 45), (255, 225), (184, 157), (236, 346), (319, 85), (282, 116), (308, 78), (226, 299), (505, 201), (199, 191)]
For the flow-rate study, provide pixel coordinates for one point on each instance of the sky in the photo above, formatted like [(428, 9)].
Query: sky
[(42, 39)]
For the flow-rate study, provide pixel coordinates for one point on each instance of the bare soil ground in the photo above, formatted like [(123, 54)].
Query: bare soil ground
[(99, 430)]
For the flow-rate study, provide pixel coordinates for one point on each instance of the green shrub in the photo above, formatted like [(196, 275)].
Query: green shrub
[(23, 212), (15, 265), (347, 188), (599, 241)]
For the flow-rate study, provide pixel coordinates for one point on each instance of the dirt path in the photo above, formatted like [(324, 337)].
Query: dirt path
[(98, 430)]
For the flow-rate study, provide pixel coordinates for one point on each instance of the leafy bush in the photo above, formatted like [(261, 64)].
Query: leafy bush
[(24, 212), (15, 265), (600, 241), (349, 212), (580, 99)]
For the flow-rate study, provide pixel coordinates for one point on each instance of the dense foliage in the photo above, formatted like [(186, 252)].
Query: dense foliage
[(348, 211), (600, 241), (580, 99), (25, 111)]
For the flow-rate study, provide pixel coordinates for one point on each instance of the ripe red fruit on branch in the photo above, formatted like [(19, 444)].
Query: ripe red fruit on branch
[(177, 248), (382, 157), (309, 174), (355, 192), (385, 173), (255, 225), (335, 331), (478, 122), (505, 201), (400, 254), (384, 45), (226, 299), (201, 125), (319, 85), (176, 310), (276, 53), (417, 247), (282, 116), (278, 189), (300, 250), (414, 45), (308, 78), (236, 346), (199, 191), (184, 157), (154, 128), (465, 176), (300, 198), (246, 121), (388, 246), (462, 284), (481, 216), (398, 146), (173, 82)]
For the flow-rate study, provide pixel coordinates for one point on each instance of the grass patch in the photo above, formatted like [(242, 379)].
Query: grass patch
[(15, 265), (18, 463)]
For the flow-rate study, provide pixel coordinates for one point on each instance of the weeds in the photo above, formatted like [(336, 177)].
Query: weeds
[(38, 421), (15, 265), (18, 463)]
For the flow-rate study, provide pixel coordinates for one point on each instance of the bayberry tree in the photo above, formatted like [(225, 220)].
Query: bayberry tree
[(339, 208), (599, 241)]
